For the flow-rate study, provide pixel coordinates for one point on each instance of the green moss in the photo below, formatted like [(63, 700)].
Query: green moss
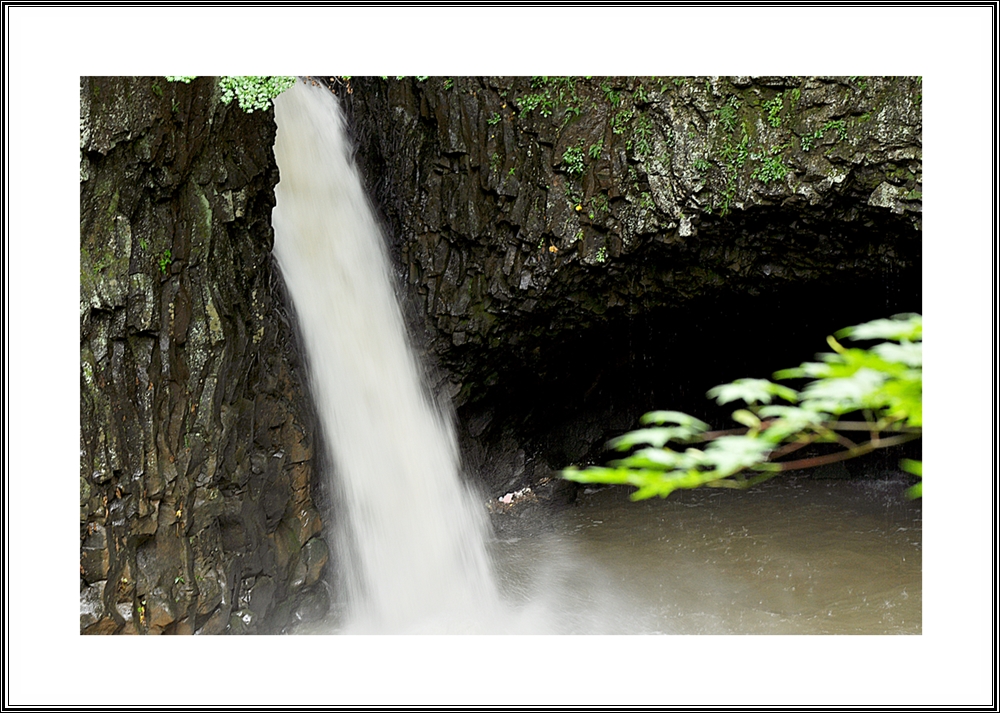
[(899, 174)]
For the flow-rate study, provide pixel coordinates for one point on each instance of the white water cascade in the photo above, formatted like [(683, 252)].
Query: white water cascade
[(412, 537)]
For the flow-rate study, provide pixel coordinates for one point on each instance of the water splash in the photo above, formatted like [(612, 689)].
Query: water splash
[(413, 538)]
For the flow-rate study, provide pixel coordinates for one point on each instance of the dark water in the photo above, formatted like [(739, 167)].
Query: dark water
[(794, 556)]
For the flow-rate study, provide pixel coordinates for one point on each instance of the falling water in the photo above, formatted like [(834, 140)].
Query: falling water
[(414, 553), (413, 539)]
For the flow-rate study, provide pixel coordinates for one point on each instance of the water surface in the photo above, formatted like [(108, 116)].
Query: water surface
[(793, 556)]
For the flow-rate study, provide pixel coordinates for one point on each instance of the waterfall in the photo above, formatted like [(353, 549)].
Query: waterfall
[(412, 537)]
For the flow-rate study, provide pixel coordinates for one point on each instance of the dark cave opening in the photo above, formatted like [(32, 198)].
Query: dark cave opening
[(580, 388)]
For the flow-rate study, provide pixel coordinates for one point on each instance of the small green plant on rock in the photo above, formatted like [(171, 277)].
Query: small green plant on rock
[(164, 261), (643, 135), (838, 125), (772, 169), (773, 108), (621, 121), (727, 114), (573, 161)]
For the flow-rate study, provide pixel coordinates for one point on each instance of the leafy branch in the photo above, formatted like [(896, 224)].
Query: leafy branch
[(879, 388)]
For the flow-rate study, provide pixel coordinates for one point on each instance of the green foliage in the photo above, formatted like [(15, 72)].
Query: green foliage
[(621, 120), (772, 169), (494, 119), (552, 94), (838, 125), (449, 83), (598, 204), (251, 93), (573, 161), (643, 135), (602, 254), (614, 97), (164, 261), (595, 149), (640, 95), (773, 109), (701, 164), (880, 387), (727, 114)]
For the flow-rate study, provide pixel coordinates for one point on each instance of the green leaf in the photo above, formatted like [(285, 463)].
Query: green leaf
[(790, 421), (656, 458), (752, 391), (902, 327), (850, 393), (652, 436), (914, 467), (675, 417), (908, 353), (746, 418), (729, 454)]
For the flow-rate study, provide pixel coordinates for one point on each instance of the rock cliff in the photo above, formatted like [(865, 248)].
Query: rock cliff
[(197, 490), (576, 250)]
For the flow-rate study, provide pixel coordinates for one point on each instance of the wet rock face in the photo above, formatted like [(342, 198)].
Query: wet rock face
[(576, 251), (197, 474)]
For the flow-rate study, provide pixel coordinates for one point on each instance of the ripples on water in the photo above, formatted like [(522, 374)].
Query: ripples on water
[(794, 556)]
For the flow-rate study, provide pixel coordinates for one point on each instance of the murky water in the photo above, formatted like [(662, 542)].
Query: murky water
[(795, 556)]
